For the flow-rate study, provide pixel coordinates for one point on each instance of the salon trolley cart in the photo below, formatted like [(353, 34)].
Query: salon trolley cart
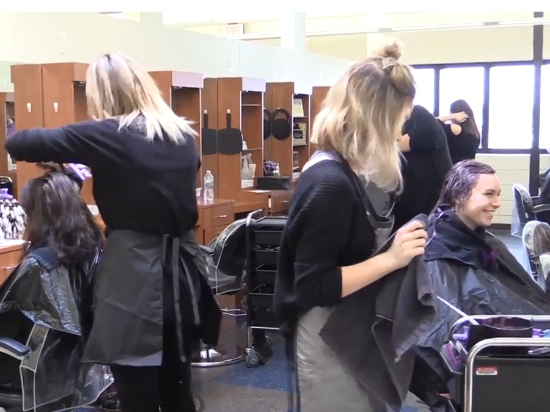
[(503, 374), (263, 237)]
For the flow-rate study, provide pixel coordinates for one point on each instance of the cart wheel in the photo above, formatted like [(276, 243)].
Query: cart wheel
[(252, 359)]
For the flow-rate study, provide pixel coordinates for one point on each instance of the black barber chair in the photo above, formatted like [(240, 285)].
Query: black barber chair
[(12, 351), (221, 284), (528, 208)]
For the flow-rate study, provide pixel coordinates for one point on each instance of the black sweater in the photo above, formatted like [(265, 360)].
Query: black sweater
[(138, 185), (327, 228), (424, 167), (463, 146)]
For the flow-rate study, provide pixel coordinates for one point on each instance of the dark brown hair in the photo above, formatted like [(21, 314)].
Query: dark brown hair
[(469, 125), (459, 183), (58, 218)]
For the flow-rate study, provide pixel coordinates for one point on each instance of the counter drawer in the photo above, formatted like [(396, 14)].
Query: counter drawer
[(216, 216), (279, 203)]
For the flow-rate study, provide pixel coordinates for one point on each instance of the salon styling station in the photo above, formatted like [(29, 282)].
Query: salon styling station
[(12, 226)]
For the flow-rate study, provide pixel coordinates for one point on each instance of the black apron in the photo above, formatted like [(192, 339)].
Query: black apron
[(142, 282)]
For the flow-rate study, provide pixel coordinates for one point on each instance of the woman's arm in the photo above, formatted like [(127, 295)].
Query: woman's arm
[(446, 118), (363, 274), (451, 129), (404, 143), (322, 236), (72, 143)]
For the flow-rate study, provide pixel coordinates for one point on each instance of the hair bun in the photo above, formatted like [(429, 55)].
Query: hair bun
[(391, 50)]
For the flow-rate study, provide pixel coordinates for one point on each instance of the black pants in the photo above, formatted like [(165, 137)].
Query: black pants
[(144, 389)]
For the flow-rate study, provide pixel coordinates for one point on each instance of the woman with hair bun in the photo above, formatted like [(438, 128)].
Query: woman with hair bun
[(328, 244)]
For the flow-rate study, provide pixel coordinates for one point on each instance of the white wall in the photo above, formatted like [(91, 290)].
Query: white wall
[(82, 37)]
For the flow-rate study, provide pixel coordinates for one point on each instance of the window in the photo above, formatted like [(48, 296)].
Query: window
[(511, 107), (544, 140), (462, 83), (425, 88)]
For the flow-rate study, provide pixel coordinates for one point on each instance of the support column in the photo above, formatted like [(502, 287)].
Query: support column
[(293, 31), (374, 20)]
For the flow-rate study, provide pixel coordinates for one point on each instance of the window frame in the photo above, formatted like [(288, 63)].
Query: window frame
[(486, 100)]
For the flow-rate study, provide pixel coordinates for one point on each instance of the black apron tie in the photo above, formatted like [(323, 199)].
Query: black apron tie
[(172, 264)]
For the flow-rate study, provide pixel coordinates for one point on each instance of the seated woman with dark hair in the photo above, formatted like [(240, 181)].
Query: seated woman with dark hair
[(474, 268), (469, 267), (50, 292)]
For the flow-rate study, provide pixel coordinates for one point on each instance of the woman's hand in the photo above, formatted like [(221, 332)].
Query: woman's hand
[(460, 117), (409, 242)]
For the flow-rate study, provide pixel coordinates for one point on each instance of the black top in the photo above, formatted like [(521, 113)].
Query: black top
[(327, 228), (424, 167), (138, 185), (462, 146)]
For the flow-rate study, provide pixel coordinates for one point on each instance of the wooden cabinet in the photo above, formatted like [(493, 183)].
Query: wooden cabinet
[(10, 255), (213, 219), (48, 95)]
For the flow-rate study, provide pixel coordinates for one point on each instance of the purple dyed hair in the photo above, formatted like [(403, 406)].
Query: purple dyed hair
[(459, 183)]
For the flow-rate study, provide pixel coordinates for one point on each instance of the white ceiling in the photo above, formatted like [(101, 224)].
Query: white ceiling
[(207, 17)]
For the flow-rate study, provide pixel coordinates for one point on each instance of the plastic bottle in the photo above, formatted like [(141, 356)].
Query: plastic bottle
[(208, 183)]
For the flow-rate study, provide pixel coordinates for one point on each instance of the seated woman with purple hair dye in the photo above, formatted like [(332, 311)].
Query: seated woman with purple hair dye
[(470, 268), (462, 249)]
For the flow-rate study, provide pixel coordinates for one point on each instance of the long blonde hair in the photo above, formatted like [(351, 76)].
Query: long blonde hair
[(363, 112), (118, 87)]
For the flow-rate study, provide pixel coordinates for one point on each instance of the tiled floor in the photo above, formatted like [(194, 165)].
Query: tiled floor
[(264, 389)]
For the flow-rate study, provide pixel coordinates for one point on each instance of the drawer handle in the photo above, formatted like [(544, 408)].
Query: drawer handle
[(221, 216), (10, 267), (285, 201)]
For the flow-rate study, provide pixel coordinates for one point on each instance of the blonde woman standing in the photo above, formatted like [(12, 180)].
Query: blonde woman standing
[(151, 304), (329, 240)]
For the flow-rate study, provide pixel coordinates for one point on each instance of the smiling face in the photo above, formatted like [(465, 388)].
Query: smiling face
[(479, 209)]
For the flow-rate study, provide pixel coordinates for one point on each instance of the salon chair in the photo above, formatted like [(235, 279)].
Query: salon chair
[(536, 242), (528, 208), (221, 284), (543, 177), (544, 196), (11, 398)]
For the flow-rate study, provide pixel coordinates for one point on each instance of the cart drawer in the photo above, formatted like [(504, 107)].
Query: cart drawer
[(264, 318), (268, 237), (263, 275), (267, 256), (260, 300)]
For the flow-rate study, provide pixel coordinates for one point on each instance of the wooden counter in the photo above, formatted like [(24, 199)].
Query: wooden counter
[(10, 255)]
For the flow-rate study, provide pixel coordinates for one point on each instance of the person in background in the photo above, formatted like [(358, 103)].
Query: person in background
[(461, 130), (426, 162), (328, 242), (152, 302)]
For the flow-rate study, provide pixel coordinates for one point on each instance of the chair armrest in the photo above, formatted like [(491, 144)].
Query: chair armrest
[(13, 348), (541, 208)]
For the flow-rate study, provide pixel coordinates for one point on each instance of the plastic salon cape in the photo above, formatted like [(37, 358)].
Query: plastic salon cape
[(475, 272), (49, 304)]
